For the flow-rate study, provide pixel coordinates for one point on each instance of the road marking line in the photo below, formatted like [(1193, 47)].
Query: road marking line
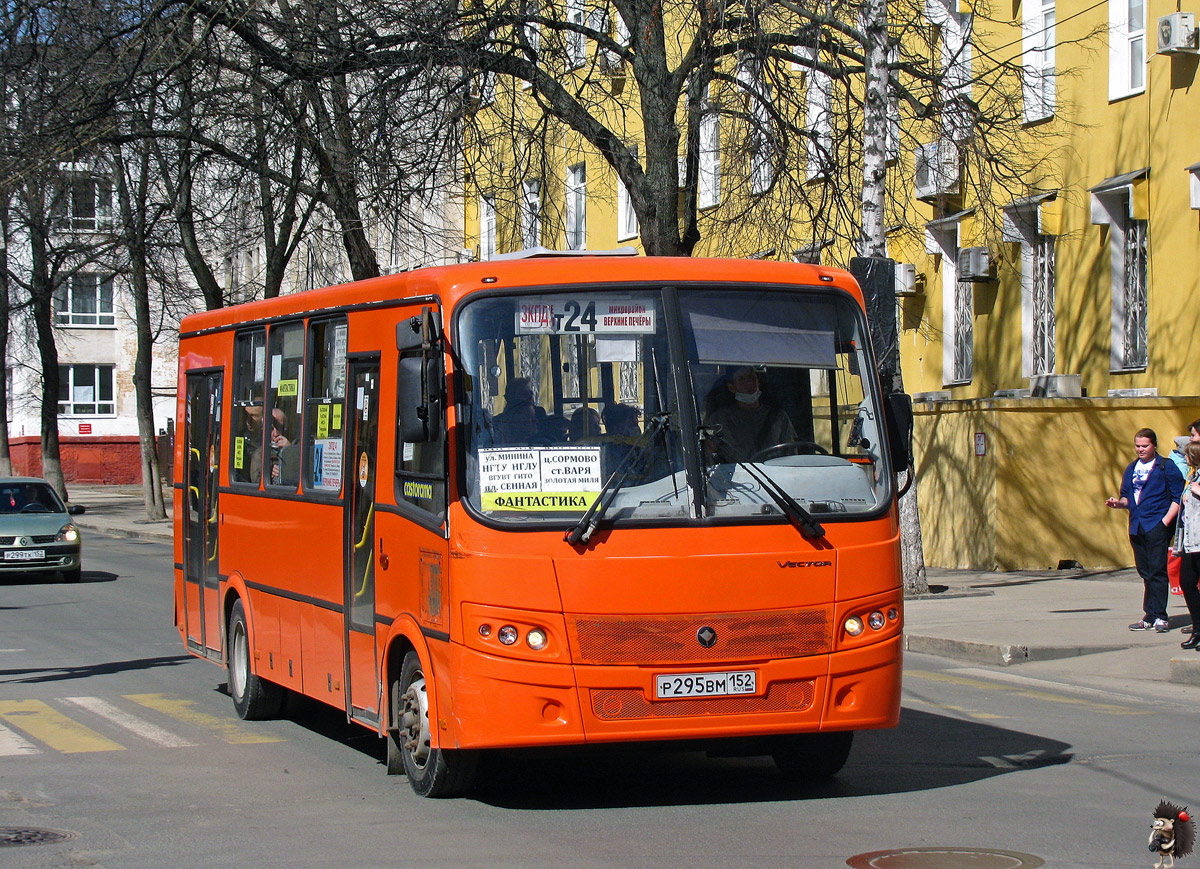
[(982, 716), (11, 744), (1051, 696), (132, 723), (181, 710), (48, 725)]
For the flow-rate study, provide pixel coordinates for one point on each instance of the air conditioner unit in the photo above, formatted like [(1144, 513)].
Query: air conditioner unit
[(1177, 33), (935, 170), (906, 279), (1055, 386), (975, 264)]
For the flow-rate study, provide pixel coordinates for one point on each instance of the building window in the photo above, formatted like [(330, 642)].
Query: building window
[(627, 222), (576, 215), (1038, 83), (487, 227), (531, 213), (85, 299), (576, 40), (1120, 203), (87, 390), (762, 133), (709, 182), (818, 101), (1023, 225), (84, 203), (1126, 48), (958, 304)]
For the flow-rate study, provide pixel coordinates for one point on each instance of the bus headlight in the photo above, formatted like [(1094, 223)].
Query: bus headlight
[(507, 635), (875, 620), (536, 639), (67, 534), (854, 626)]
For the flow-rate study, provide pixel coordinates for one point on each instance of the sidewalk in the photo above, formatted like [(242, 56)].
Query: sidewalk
[(1072, 622)]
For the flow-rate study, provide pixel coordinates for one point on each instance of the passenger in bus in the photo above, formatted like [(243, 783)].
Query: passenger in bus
[(621, 421), (553, 429), (519, 421), (279, 440), (744, 422), (585, 425)]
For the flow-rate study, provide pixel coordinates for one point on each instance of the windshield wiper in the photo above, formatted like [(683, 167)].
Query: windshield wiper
[(804, 521), (581, 531)]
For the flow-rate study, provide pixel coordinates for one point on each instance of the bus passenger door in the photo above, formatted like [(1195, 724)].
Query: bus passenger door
[(202, 465), (363, 689)]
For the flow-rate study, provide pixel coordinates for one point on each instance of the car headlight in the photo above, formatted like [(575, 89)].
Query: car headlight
[(67, 534)]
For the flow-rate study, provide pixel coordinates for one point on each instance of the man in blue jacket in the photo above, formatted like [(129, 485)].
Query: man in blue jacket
[(1150, 491)]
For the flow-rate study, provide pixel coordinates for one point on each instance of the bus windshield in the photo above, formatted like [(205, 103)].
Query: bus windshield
[(692, 403)]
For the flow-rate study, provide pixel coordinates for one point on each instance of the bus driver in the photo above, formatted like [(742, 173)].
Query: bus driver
[(746, 424)]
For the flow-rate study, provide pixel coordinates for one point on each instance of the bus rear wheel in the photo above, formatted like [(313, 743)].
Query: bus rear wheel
[(432, 772), (254, 699), (812, 756)]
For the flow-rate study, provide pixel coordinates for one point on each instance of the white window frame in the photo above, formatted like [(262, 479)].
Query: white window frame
[(761, 139), (1022, 225), (1194, 185), (84, 202), (531, 213), (818, 116), (576, 41), (83, 396), (708, 185), (1126, 48), (1038, 81), (1129, 255), (92, 287), (576, 207), (627, 221), (487, 227), (958, 306)]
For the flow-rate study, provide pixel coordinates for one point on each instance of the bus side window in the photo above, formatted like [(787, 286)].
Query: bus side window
[(285, 361), (420, 466), (248, 397), (325, 398)]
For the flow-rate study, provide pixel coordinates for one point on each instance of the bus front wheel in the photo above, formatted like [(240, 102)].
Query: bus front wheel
[(253, 698), (812, 756), (432, 772)]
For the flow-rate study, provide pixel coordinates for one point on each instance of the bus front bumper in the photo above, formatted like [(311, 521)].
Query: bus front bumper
[(504, 703)]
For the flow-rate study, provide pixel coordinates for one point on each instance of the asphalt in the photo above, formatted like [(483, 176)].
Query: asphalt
[(1070, 624)]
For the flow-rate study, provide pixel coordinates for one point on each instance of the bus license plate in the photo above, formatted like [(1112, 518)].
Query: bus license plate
[(668, 686), (24, 554)]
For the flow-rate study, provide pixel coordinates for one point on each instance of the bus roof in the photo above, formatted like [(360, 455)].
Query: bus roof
[(451, 283)]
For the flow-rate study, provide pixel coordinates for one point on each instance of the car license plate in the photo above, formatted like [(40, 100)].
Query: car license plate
[(671, 685), (24, 554)]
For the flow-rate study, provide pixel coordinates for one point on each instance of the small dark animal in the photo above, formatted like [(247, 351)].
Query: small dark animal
[(1172, 835)]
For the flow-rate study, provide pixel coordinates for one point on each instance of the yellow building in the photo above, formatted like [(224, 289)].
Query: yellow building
[(1043, 317)]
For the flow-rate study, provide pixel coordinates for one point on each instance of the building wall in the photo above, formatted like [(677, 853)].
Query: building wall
[(111, 460), (1035, 496)]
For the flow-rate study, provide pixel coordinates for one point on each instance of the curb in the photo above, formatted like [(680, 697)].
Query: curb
[(1185, 671), (1005, 654), (165, 536)]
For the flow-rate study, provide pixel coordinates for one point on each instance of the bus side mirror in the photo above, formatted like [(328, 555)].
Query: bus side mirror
[(898, 408), (422, 379)]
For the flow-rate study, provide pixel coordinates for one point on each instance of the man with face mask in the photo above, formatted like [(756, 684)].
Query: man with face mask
[(747, 424)]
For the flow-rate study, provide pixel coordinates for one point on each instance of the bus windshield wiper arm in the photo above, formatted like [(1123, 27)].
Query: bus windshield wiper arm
[(804, 521), (581, 531)]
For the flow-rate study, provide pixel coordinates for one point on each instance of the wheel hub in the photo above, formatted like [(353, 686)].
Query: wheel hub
[(414, 722)]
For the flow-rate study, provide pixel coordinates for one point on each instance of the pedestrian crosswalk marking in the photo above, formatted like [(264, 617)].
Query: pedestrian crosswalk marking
[(121, 718), (232, 732), (11, 744), (46, 724)]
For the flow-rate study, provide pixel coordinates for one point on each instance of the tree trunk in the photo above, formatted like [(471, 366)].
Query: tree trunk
[(5, 452), (873, 243)]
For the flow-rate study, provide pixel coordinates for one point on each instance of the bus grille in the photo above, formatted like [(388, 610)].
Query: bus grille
[(672, 639), (616, 704)]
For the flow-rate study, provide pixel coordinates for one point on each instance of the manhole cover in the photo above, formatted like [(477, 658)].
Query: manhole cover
[(32, 836), (944, 858)]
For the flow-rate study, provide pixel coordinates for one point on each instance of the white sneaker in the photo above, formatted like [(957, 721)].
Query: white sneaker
[(1161, 626)]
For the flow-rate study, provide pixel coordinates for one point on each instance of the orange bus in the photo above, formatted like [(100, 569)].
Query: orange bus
[(548, 501)]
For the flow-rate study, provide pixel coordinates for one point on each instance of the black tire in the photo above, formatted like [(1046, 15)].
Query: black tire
[(432, 772), (72, 575), (254, 699), (812, 756)]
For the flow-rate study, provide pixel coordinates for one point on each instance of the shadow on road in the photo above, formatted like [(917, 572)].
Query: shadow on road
[(926, 751), (87, 671)]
